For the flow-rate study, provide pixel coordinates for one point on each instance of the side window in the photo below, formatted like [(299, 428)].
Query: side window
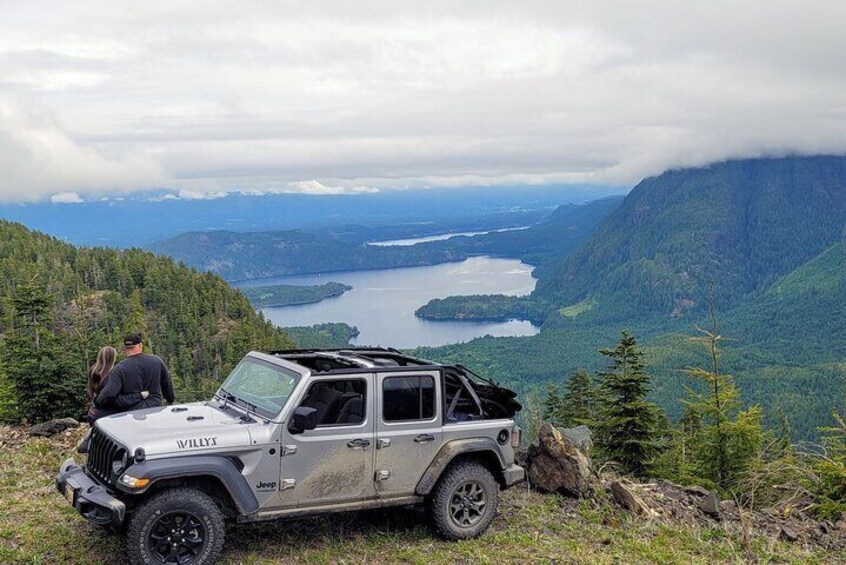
[(341, 402), (408, 398), (459, 403)]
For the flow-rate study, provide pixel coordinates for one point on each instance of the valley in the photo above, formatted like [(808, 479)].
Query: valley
[(537, 294), (652, 263)]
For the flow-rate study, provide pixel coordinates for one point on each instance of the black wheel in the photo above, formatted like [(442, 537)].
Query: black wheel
[(464, 501), (181, 526)]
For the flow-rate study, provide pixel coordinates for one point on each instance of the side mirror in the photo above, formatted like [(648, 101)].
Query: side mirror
[(304, 418)]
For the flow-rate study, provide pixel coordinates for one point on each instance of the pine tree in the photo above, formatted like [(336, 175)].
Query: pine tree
[(553, 406), (42, 378), (728, 438), (578, 401), (830, 469), (626, 421)]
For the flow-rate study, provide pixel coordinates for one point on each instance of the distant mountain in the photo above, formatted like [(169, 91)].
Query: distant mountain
[(550, 240), (725, 231), (801, 317), (141, 219), (256, 255)]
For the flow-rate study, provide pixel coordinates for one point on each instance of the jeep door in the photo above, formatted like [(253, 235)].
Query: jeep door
[(408, 431), (333, 462)]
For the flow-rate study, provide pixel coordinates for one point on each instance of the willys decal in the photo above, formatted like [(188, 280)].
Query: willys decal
[(196, 442)]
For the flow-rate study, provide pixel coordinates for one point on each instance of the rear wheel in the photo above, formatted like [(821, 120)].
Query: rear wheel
[(464, 502), (181, 526)]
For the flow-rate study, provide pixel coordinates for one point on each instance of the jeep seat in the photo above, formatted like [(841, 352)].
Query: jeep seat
[(352, 412), (326, 401)]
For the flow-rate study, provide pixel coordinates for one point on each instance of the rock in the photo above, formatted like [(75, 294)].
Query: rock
[(728, 506), (787, 534), (710, 505), (627, 498), (826, 526), (557, 465), (52, 427), (697, 491), (580, 436)]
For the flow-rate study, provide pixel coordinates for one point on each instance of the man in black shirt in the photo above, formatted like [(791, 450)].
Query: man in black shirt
[(139, 381)]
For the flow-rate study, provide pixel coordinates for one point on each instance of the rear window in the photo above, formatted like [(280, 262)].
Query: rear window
[(409, 398)]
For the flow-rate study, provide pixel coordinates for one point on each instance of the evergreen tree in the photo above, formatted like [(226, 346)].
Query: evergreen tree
[(36, 366), (728, 438), (575, 406), (626, 426), (553, 406), (830, 469), (578, 401)]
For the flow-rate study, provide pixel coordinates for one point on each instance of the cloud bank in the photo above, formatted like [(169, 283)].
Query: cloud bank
[(203, 98)]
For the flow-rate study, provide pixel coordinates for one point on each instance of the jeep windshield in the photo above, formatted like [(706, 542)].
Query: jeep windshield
[(259, 386)]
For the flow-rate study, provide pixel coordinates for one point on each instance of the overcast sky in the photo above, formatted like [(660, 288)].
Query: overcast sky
[(98, 98)]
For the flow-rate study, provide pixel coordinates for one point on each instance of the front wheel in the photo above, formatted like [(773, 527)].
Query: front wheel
[(181, 526), (464, 502)]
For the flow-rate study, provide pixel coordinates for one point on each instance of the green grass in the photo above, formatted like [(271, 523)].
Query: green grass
[(574, 310), (37, 526)]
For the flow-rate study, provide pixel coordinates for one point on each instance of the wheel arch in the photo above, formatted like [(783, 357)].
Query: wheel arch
[(484, 451), (216, 475)]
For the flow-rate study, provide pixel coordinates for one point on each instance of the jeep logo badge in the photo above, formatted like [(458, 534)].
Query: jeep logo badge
[(196, 442)]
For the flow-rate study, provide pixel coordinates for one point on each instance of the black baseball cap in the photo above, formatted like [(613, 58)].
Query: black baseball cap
[(132, 339)]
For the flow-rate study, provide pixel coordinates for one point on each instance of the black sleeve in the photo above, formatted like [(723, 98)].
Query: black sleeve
[(110, 391), (128, 399), (167, 385)]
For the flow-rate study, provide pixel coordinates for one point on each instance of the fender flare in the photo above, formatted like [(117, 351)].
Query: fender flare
[(219, 467), (449, 452)]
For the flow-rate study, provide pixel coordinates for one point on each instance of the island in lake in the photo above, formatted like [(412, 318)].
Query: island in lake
[(332, 334), (292, 295)]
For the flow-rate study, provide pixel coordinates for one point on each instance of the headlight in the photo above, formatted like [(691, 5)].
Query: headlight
[(134, 482), (120, 462)]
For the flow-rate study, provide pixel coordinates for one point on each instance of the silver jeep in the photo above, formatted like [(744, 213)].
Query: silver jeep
[(296, 433)]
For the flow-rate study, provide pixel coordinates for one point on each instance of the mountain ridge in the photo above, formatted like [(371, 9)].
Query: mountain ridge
[(765, 217)]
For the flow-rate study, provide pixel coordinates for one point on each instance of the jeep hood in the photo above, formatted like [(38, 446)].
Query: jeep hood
[(183, 428)]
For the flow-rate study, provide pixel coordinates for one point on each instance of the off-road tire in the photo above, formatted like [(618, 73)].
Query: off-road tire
[(440, 504), (178, 501)]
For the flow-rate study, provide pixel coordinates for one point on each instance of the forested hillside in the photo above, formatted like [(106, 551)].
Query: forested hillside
[(549, 241), (726, 230), (256, 255), (59, 304), (762, 238)]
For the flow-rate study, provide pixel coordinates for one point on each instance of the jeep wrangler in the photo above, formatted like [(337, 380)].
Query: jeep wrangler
[(296, 433)]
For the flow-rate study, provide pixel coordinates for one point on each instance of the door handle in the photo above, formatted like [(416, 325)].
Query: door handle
[(358, 443), (424, 438)]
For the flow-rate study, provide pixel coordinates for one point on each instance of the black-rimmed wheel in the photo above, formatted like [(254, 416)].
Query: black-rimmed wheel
[(464, 502), (181, 526)]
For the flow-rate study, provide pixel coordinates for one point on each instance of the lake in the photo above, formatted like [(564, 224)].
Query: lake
[(382, 302), (440, 237)]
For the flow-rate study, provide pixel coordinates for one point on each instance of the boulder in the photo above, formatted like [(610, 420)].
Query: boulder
[(580, 436), (557, 465), (710, 505), (627, 498), (697, 491), (52, 427), (787, 534)]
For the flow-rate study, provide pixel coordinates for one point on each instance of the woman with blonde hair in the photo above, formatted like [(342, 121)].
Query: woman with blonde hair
[(97, 375)]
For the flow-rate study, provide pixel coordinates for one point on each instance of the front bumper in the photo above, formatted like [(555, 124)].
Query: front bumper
[(90, 498), (514, 474)]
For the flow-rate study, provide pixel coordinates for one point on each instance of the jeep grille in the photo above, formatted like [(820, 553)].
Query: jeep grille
[(102, 451)]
